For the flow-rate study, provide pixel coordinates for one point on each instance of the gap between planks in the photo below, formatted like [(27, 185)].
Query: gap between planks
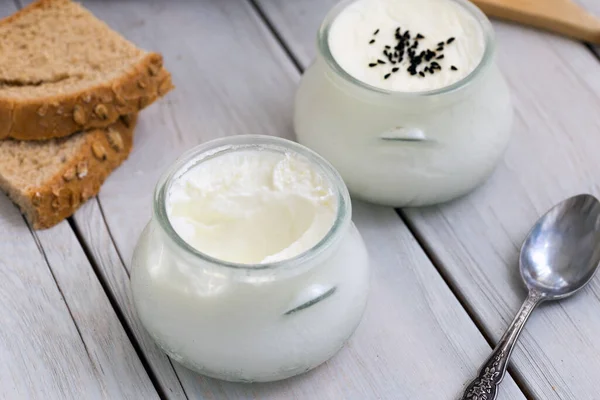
[(519, 380), (113, 302), (36, 239), (517, 377)]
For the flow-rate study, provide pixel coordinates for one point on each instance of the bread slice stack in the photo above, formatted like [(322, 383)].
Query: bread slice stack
[(70, 91)]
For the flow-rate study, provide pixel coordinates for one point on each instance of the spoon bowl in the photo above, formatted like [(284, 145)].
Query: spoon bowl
[(562, 251)]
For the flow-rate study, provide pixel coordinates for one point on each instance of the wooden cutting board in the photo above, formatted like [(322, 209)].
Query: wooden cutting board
[(559, 16)]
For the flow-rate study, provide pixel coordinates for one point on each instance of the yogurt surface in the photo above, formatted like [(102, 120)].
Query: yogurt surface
[(252, 206), (407, 45)]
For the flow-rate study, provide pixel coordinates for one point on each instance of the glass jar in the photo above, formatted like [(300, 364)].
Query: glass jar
[(242, 322), (405, 149)]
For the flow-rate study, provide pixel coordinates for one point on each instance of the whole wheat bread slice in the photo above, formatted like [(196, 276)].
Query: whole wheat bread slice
[(62, 71), (50, 179)]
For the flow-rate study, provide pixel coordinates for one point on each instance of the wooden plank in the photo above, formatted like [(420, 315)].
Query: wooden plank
[(116, 277), (60, 337), (41, 351), (233, 78), (112, 355), (556, 91)]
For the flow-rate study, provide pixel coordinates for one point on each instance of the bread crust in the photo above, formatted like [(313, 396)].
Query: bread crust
[(81, 177), (96, 106)]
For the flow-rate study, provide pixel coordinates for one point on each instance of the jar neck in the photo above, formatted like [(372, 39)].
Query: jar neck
[(258, 143), (347, 82)]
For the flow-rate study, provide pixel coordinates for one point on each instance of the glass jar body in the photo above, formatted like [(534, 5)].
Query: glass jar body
[(405, 150), (242, 325)]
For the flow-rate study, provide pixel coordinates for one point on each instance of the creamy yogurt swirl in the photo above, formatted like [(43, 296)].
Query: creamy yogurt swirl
[(252, 206)]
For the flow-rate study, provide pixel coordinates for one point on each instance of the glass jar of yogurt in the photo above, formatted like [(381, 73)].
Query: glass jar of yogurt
[(405, 99), (251, 268)]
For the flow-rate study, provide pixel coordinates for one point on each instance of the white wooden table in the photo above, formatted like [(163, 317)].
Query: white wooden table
[(445, 280)]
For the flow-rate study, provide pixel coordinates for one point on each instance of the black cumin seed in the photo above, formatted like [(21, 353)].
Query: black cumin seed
[(372, 65), (381, 61), (440, 43), (419, 36), (421, 73), (376, 32), (387, 47), (453, 68), (386, 76), (439, 49), (372, 41), (439, 57), (395, 69), (450, 40)]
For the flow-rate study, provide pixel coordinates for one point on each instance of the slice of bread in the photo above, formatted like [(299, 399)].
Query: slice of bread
[(49, 180), (62, 71)]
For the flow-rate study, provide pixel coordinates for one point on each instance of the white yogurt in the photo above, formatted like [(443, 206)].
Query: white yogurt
[(406, 140), (252, 207), (299, 285), (359, 35)]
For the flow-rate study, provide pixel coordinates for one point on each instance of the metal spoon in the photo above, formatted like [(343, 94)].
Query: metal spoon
[(558, 258)]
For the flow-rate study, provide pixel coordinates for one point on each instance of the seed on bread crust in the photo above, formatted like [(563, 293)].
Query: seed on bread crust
[(164, 86), (86, 193), (114, 139), (42, 110), (82, 169), (141, 84), (101, 111), (99, 151), (36, 200), (55, 203), (154, 69), (86, 98), (79, 115), (106, 98), (74, 199), (127, 120), (69, 174)]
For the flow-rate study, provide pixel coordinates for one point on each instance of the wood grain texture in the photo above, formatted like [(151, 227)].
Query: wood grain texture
[(41, 351), (60, 337), (116, 277), (475, 240), (561, 16), (232, 77), (112, 355)]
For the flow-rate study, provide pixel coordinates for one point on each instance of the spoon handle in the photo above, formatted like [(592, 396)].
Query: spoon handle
[(485, 386)]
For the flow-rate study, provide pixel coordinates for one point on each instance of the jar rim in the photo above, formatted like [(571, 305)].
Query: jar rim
[(488, 53), (216, 147)]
